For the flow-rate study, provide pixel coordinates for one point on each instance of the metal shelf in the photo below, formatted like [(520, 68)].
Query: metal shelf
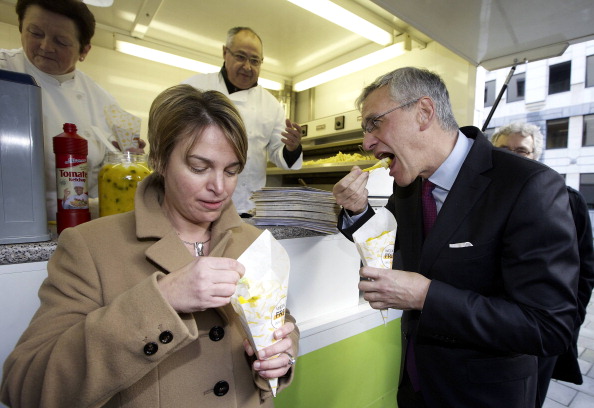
[(341, 143), (322, 168)]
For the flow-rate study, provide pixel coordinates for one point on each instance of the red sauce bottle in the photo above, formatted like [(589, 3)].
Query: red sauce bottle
[(71, 178)]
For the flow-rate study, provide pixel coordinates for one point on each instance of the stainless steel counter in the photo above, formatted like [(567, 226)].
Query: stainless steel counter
[(41, 251)]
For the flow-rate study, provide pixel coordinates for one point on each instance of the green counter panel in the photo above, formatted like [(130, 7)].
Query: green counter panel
[(359, 372)]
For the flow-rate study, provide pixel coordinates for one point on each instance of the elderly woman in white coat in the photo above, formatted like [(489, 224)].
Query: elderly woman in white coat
[(55, 36)]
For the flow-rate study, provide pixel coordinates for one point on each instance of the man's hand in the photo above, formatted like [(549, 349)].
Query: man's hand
[(350, 192), (291, 135), (384, 288)]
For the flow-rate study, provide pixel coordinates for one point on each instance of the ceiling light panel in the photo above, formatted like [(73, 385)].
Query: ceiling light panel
[(346, 19), (350, 67), (99, 3)]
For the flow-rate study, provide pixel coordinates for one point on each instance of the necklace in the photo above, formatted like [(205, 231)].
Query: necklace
[(198, 246)]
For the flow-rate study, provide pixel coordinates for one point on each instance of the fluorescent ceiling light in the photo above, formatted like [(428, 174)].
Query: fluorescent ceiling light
[(344, 18), (190, 64), (99, 3), (270, 84), (350, 67), (164, 57)]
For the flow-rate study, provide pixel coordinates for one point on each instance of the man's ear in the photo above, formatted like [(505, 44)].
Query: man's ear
[(426, 113)]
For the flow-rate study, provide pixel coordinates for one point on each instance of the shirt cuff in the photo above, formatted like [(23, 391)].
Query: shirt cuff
[(292, 157), (349, 218)]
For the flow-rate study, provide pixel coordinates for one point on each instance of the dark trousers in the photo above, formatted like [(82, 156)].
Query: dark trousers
[(546, 365), (407, 397)]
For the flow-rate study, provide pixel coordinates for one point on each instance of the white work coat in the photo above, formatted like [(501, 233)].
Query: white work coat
[(264, 120), (80, 101)]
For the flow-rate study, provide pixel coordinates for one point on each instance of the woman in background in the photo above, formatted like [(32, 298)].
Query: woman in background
[(135, 311), (55, 36)]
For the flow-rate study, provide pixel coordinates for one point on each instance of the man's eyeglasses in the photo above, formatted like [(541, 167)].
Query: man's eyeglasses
[(242, 58), (520, 150), (374, 122)]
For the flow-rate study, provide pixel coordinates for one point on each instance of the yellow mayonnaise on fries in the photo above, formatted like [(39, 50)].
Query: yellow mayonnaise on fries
[(372, 238)]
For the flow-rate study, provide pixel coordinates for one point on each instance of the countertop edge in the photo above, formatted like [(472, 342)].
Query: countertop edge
[(26, 252)]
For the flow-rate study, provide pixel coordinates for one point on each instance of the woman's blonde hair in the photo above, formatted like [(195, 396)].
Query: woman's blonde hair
[(183, 112)]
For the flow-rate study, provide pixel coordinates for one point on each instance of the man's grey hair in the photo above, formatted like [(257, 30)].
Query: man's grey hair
[(236, 30), (409, 84), (526, 130)]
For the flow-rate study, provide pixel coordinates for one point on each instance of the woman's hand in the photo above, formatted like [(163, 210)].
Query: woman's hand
[(273, 362), (133, 150), (204, 283)]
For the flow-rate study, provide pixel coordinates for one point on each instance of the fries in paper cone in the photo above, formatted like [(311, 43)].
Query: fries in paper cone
[(124, 125), (375, 243), (261, 295)]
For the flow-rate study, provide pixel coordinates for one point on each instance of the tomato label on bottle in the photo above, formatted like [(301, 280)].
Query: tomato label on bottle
[(71, 180)]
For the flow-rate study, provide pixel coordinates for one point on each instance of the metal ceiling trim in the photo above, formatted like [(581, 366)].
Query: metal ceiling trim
[(144, 17)]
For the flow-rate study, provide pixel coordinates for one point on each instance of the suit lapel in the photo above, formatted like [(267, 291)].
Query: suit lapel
[(468, 188), (168, 253), (407, 210)]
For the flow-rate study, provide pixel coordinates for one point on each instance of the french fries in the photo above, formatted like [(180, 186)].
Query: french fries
[(383, 163)]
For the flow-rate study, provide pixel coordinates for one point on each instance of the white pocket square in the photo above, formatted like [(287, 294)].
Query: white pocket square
[(461, 245)]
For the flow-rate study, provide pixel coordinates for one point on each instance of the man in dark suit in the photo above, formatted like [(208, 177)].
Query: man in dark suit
[(526, 140), (493, 284)]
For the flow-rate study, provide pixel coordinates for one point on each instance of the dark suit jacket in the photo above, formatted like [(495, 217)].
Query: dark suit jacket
[(494, 306), (567, 367)]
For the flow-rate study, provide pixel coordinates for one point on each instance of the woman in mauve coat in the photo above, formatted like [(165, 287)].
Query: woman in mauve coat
[(135, 311)]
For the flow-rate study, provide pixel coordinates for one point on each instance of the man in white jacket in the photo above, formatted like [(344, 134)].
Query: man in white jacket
[(270, 135)]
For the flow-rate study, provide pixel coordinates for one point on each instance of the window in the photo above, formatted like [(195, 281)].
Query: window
[(516, 88), (587, 188), (559, 75), (557, 130), (590, 70), (489, 93), (588, 137)]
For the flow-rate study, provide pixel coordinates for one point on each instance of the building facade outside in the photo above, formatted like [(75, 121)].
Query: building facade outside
[(556, 94)]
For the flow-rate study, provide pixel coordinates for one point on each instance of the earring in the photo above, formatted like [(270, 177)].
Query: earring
[(81, 59)]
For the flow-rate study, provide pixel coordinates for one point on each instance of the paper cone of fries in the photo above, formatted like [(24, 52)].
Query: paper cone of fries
[(375, 243), (261, 295), (124, 125)]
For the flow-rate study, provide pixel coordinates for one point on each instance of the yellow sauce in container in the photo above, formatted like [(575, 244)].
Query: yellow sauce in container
[(118, 180)]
